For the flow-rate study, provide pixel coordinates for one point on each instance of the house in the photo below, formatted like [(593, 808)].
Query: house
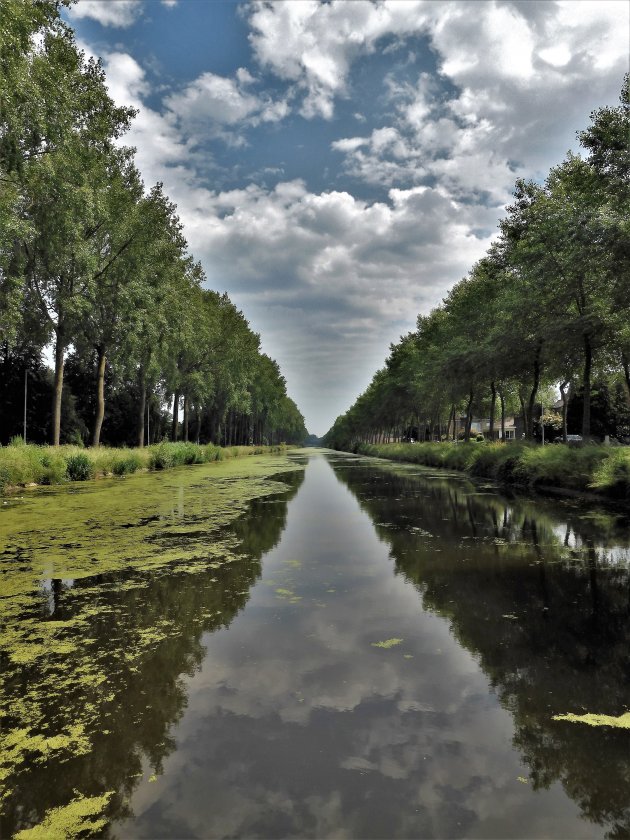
[(513, 427)]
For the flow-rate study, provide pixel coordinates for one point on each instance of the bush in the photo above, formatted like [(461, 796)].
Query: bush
[(160, 458), (211, 452), (17, 440), (53, 468), (127, 464), (79, 467), (613, 475)]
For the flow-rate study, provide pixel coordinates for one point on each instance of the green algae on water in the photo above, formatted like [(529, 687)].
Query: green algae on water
[(67, 649), (388, 643), (72, 820), (621, 722)]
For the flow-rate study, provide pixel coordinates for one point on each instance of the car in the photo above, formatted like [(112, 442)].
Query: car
[(570, 439)]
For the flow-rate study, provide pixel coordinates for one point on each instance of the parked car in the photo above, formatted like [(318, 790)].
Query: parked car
[(570, 439)]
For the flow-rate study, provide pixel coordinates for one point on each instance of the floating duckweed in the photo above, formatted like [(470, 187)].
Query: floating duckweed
[(621, 722), (522, 779), (388, 643), (285, 593), (65, 823), (59, 683)]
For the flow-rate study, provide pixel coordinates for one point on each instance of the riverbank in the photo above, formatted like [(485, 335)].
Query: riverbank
[(599, 470), (26, 465)]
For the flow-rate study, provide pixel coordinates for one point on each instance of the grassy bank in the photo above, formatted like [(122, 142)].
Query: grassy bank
[(23, 465), (593, 468)]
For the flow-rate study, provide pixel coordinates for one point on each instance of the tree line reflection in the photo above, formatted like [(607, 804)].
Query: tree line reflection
[(540, 594)]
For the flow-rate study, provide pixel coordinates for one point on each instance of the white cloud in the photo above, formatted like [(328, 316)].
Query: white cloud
[(333, 279), (159, 144), (121, 13), (526, 76), (314, 44), (211, 104)]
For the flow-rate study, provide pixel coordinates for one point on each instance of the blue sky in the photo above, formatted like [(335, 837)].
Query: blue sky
[(338, 166)]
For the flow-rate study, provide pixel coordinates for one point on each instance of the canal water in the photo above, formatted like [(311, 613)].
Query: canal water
[(382, 651)]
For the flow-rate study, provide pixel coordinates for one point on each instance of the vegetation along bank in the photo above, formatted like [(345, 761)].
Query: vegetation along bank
[(24, 465), (595, 469)]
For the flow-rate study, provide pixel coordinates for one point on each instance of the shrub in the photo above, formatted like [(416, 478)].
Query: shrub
[(17, 440), (79, 467), (612, 476), (211, 452), (53, 468), (127, 464), (160, 458)]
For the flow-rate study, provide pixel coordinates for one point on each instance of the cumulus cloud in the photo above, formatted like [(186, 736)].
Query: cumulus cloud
[(490, 114), (121, 13), (328, 271), (212, 103), (314, 44)]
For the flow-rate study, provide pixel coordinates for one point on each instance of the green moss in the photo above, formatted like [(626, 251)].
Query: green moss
[(388, 643), (74, 819), (621, 722)]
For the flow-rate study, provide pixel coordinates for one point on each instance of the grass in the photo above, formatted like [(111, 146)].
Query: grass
[(605, 470), (22, 465)]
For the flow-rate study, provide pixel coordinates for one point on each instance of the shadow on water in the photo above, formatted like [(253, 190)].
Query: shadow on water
[(121, 688), (539, 593)]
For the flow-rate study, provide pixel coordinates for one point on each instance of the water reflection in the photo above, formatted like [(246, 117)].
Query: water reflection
[(540, 594), (298, 725), (252, 698)]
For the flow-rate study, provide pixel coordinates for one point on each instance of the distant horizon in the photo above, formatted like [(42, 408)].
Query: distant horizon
[(338, 167)]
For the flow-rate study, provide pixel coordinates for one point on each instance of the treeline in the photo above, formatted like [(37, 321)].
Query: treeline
[(96, 266), (548, 305)]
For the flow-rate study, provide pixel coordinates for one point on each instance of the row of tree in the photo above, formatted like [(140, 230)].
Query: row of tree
[(96, 266), (548, 306)]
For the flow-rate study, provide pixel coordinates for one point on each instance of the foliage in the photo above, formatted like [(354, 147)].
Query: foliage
[(93, 261), (79, 467)]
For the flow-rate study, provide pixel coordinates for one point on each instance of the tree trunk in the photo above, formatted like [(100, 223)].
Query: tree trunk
[(142, 388), (626, 372), (502, 400), (175, 416), (451, 419), (493, 403), (586, 388), (58, 390), (565, 405), (100, 396), (534, 391), (523, 413), (197, 425), (469, 416), (186, 413)]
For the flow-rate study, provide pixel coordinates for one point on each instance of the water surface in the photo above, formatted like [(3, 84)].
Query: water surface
[(380, 651)]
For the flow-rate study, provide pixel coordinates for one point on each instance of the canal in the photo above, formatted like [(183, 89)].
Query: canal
[(352, 649)]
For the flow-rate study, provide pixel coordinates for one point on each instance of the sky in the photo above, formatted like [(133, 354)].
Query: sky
[(338, 166)]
